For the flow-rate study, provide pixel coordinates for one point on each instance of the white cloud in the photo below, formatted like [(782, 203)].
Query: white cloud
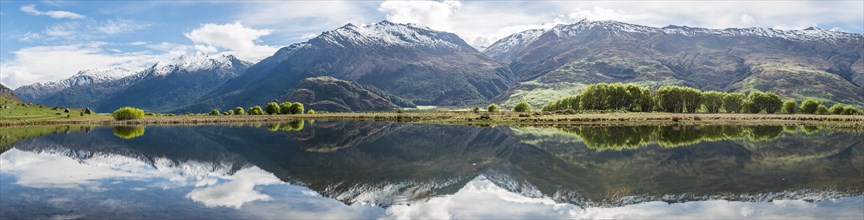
[(241, 41), (29, 36), (240, 189), (92, 29), (432, 14), (51, 63), (31, 9)]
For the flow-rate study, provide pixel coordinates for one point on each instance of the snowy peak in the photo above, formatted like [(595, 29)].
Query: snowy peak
[(389, 34), (507, 47), (197, 62), (98, 75), (82, 78)]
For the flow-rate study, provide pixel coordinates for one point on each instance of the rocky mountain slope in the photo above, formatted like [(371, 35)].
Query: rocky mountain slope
[(420, 65), (7, 93), (333, 95), (827, 65)]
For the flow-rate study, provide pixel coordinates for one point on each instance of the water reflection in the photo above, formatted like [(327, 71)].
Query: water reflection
[(436, 171), (128, 132)]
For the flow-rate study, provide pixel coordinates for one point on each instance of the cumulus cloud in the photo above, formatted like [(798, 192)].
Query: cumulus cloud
[(432, 14), (31, 9), (51, 63), (243, 42)]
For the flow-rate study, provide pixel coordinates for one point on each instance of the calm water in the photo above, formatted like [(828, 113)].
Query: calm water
[(337, 169)]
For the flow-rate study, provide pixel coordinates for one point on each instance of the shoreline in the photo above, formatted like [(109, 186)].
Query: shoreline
[(479, 119)]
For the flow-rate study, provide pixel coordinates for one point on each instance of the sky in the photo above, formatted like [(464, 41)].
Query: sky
[(43, 41)]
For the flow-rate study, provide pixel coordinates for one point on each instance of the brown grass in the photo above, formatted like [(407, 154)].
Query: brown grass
[(470, 118)]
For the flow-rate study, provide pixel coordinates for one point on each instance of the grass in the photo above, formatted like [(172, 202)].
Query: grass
[(484, 119), (19, 111)]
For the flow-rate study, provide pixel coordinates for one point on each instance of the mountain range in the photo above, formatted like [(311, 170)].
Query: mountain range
[(386, 65)]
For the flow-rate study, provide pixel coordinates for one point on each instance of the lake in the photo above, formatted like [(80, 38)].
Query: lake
[(343, 169)]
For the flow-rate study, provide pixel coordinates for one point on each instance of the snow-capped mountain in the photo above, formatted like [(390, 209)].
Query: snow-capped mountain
[(817, 63), (502, 49), (196, 62), (388, 34), (412, 62), (86, 77), (158, 87)]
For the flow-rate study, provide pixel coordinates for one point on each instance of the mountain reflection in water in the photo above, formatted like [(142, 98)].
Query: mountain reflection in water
[(369, 170)]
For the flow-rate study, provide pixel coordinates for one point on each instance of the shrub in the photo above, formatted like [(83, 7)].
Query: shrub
[(836, 109), (311, 112), (849, 110), (790, 107), (239, 111), (88, 111), (284, 108), (214, 112), (128, 113), (713, 101), (272, 108), (732, 102), (229, 112), (522, 107), (475, 110), (821, 110), (493, 108), (295, 108), (256, 110), (809, 106)]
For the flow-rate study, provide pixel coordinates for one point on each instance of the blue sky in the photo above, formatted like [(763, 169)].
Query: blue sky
[(51, 40)]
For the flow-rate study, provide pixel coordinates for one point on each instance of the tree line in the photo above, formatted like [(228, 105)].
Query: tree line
[(272, 108), (680, 99)]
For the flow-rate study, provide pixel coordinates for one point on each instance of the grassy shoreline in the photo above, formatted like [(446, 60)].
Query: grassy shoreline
[(479, 119)]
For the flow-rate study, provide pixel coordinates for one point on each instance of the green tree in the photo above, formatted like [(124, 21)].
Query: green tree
[(128, 113), (522, 107), (821, 110), (256, 110), (239, 111), (836, 109), (311, 112), (230, 112), (732, 102), (692, 99), (214, 112), (773, 103), (285, 108), (645, 100), (809, 106), (272, 108), (756, 101), (670, 99), (493, 108), (713, 101), (790, 107), (296, 108), (850, 110)]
